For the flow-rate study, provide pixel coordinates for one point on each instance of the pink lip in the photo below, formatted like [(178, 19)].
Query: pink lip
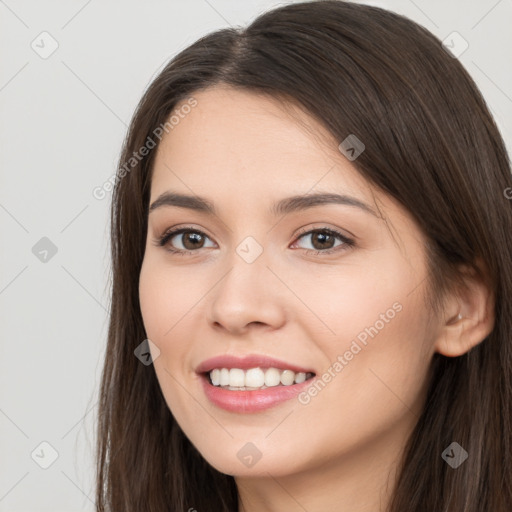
[(246, 362), (251, 401), (255, 400)]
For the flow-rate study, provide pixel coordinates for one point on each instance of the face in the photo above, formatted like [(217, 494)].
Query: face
[(333, 288)]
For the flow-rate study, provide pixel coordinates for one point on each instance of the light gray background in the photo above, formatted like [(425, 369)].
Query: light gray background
[(62, 123)]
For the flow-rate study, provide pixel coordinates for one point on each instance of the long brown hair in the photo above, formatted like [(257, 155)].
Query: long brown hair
[(431, 144)]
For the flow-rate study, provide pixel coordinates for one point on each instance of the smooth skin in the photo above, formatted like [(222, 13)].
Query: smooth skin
[(339, 452)]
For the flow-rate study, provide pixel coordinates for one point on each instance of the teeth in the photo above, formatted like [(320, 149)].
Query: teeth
[(272, 377), (215, 377), (224, 377), (300, 377), (255, 378), (236, 377), (287, 377)]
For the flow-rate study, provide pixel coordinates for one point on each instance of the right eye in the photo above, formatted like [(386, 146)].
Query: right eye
[(189, 236)]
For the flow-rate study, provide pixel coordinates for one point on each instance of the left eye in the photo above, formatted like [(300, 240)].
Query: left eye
[(324, 238), (193, 237)]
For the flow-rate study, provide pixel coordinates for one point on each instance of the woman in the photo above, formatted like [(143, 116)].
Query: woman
[(311, 245)]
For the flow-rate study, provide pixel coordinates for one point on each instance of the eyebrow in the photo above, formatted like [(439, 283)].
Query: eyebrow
[(282, 207)]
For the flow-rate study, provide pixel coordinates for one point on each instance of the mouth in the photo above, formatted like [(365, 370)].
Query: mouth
[(252, 382), (263, 387)]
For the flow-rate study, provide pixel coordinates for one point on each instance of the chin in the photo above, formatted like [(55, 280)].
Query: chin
[(246, 459)]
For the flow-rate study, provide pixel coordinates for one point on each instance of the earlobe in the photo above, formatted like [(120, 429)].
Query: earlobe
[(469, 317)]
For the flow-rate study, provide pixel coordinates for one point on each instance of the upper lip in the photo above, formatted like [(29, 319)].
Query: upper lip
[(247, 362)]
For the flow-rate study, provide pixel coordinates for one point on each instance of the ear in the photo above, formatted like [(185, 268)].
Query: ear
[(468, 316)]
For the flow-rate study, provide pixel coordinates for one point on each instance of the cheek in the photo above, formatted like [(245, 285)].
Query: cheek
[(163, 296), (370, 390), (382, 367), (150, 299), (378, 348), (163, 308), (350, 299)]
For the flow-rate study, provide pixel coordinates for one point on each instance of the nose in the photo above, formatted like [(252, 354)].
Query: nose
[(249, 295)]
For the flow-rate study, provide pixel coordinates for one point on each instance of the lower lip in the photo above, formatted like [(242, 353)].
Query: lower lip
[(251, 401)]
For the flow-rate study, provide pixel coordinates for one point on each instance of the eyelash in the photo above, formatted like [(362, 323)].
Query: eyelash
[(168, 235)]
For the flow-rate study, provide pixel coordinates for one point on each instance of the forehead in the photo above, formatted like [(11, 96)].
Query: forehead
[(240, 142)]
